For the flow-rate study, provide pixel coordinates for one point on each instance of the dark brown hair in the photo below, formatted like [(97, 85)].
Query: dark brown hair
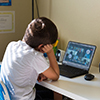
[(41, 31)]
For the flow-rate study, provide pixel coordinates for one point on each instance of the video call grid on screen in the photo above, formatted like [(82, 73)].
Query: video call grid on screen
[(79, 55)]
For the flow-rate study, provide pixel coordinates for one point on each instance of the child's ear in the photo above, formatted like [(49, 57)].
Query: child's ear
[(41, 45)]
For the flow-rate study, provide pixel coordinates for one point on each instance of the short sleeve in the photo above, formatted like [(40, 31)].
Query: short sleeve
[(40, 63)]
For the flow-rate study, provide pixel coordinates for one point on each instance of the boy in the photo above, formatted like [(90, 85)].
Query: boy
[(23, 61)]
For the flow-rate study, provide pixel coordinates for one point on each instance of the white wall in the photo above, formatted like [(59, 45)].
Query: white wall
[(23, 15), (77, 20)]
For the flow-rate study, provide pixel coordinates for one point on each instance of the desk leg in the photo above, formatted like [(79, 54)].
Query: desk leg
[(57, 96)]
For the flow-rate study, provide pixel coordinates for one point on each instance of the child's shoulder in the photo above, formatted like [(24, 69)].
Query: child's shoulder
[(12, 42)]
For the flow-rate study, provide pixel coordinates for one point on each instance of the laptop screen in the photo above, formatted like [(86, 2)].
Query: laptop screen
[(79, 55)]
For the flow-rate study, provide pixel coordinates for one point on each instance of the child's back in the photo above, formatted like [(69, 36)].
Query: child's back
[(23, 62)]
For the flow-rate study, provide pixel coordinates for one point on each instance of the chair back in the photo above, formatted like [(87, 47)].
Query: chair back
[(4, 95)]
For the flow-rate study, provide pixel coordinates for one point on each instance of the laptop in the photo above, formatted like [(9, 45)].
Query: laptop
[(77, 59)]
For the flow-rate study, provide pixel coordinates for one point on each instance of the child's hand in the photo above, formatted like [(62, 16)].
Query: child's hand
[(47, 48), (41, 77)]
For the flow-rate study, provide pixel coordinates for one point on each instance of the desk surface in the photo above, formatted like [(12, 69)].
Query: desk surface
[(76, 88)]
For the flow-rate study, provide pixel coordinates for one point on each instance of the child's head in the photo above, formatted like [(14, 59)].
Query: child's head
[(40, 31)]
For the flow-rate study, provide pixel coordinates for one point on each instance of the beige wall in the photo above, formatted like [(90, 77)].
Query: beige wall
[(77, 20), (23, 15)]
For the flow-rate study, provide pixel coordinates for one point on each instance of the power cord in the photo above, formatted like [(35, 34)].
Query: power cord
[(37, 8)]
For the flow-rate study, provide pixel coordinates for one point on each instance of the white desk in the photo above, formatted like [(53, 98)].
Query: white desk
[(77, 88)]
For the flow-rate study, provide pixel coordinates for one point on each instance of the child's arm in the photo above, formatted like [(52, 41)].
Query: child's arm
[(53, 71)]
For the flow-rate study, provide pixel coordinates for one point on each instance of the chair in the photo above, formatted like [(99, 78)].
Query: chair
[(4, 95)]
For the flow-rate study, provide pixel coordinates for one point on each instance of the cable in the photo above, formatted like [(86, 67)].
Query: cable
[(37, 8), (32, 9)]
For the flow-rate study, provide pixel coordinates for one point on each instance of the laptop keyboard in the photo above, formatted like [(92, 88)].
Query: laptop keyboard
[(71, 72)]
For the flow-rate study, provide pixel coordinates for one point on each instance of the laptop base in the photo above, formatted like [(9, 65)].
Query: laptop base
[(71, 72)]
